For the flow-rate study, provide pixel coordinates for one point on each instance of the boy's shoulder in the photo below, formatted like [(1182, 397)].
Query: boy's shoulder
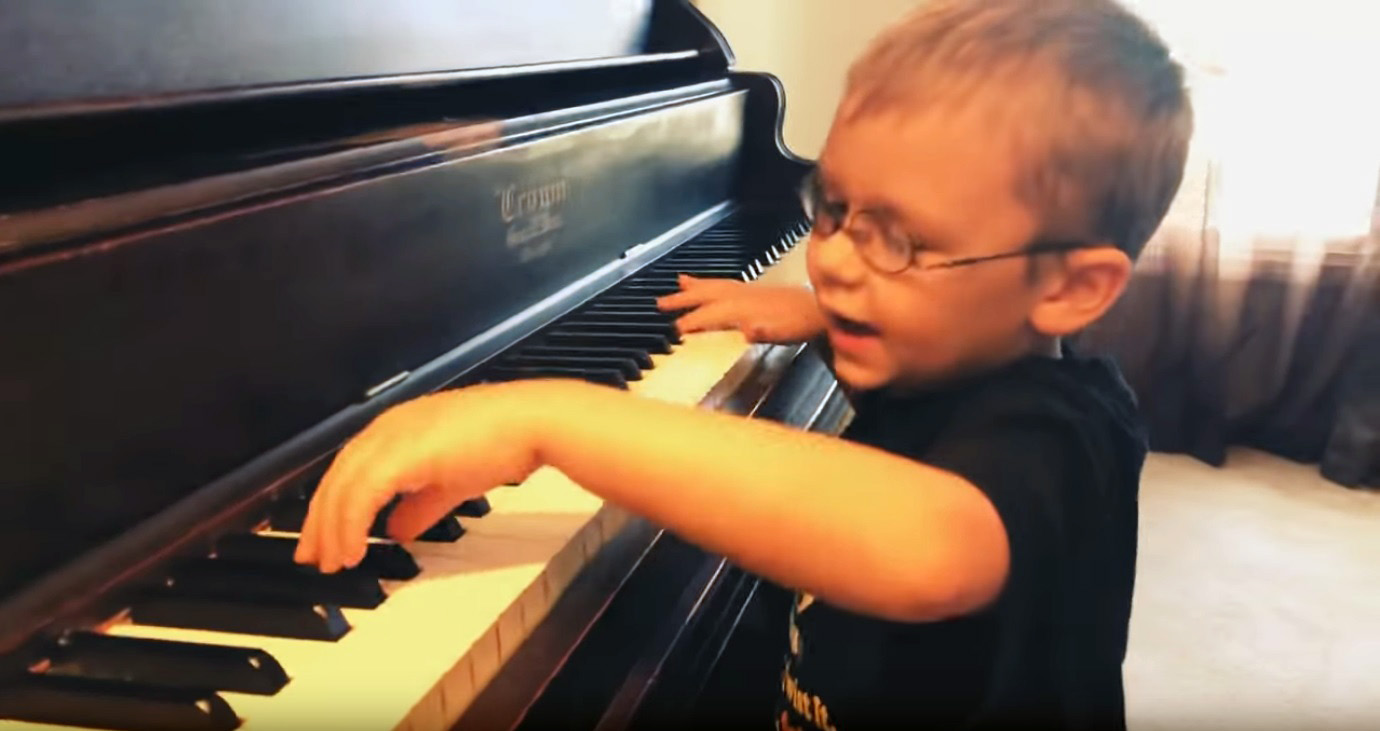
[(1056, 447), (1075, 399)]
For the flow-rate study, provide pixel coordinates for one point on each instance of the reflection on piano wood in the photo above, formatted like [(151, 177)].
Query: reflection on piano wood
[(262, 291)]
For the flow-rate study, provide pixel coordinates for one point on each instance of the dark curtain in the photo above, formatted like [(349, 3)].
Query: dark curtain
[(1237, 336)]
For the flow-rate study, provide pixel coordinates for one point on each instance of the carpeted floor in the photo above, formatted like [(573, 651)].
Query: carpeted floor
[(1257, 599)]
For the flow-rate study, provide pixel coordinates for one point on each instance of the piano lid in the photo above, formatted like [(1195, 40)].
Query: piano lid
[(83, 55), (161, 92)]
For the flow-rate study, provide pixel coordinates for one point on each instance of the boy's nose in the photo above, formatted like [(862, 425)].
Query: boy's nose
[(836, 260)]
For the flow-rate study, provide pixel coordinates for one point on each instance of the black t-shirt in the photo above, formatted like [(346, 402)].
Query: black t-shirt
[(1057, 447)]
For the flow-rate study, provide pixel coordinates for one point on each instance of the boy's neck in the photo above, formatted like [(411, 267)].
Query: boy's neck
[(1049, 348)]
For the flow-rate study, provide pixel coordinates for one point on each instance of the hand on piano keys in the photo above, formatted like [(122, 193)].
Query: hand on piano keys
[(763, 313), (434, 452)]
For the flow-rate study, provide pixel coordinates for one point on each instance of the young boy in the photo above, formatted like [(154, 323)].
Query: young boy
[(965, 554)]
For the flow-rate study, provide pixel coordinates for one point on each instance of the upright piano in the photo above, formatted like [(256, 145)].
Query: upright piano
[(233, 233)]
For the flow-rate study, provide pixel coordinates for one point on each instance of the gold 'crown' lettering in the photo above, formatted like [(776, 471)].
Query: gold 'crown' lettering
[(515, 202)]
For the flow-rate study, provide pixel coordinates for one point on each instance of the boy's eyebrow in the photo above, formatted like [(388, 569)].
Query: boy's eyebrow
[(920, 227)]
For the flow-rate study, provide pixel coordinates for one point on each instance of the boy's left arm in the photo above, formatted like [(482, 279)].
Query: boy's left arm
[(861, 528)]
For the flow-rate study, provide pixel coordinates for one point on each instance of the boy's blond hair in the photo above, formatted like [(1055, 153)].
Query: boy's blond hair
[(1094, 104)]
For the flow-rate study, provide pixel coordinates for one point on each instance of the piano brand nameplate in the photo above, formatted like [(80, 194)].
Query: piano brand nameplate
[(533, 216), (158, 361)]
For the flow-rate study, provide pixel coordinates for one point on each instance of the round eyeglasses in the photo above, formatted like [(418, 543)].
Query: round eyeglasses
[(888, 248)]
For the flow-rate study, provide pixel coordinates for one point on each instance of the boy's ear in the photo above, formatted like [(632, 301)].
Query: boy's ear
[(1080, 290)]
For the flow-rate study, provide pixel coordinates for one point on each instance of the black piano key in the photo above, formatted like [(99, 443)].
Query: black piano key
[(649, 290), (615, 310), (473, 508), (673, 280), (391, 561), (625, 366), (702, 272), (725, 249), (621, 313), (275, 582), (705, 272), (387, 560), (667, 279), (162, 608), (648, 306), (605, 376), (650, 343), (726, 258), (626, 299), (288, 515), (109, 704), (446, 530), (686, 264), (601, 324), (256, 548), (187, 665), (640, 357)]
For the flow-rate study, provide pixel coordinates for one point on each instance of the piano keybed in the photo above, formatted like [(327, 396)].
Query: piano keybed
[(246, 638)]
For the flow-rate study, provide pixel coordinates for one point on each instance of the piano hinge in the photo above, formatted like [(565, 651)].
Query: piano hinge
[(384, 386)]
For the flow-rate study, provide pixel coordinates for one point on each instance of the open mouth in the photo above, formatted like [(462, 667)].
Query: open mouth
[(852, 327)]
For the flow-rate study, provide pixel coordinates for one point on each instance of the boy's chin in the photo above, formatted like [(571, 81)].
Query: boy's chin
[(857, 377)]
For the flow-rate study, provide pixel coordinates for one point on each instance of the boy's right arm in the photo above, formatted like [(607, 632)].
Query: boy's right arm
[(764, 313), (863, 529)]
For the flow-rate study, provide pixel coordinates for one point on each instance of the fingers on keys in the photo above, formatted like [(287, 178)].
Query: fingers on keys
[(418, 511), (709, 301), (695, 292), (718, 315), (335, 533)]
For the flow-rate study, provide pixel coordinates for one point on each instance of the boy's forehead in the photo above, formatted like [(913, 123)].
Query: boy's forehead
[(951, 172)]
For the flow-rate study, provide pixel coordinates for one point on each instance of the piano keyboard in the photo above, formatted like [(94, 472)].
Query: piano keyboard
[(407, 640)]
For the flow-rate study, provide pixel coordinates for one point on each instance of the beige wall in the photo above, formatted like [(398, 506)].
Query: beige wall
[(808, 44)]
